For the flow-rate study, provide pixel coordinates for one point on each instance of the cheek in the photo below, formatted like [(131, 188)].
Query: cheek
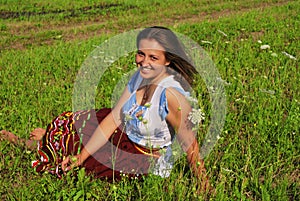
[(137, 59)]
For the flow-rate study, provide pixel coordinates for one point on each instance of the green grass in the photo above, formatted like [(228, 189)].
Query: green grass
[(257, 156)]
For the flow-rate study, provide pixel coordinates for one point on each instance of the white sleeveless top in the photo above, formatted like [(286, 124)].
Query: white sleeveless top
[(146, 124)]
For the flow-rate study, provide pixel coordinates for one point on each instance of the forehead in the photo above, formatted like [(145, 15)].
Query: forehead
[(150, 44)]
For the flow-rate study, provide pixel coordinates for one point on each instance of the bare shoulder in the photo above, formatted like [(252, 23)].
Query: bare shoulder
[(176, 99), (179, 107)]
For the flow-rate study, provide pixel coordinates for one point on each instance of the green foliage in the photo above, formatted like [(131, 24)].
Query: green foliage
[(257, 156)]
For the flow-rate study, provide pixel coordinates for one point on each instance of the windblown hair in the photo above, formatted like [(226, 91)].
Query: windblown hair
[(174, 52)]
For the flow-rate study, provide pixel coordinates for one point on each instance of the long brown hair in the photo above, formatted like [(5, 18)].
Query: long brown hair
[(174, 52)]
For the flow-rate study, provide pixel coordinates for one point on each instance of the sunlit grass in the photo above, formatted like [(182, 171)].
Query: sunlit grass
[(257, 156)]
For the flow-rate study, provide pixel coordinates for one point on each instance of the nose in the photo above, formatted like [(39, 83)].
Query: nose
[(142, 60), (145, 61)]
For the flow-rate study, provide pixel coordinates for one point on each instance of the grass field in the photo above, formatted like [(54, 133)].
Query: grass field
[(254, 45)]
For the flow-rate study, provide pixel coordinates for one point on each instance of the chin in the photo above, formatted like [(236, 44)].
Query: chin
[(146, 76)]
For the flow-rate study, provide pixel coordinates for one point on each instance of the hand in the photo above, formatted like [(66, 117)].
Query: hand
[(70, 162)]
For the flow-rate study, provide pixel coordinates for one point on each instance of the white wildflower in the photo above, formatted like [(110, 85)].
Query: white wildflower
[(290, 56), (205, 41), (224, 34), (196, 116), (192, 99), (264, 47), (259, 41), (274, 54), (271, 92)]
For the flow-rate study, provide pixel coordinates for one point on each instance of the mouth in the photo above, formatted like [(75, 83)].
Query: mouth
[(146, 68)]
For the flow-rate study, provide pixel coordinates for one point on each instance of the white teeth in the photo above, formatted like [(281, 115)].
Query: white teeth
[(146, 68)]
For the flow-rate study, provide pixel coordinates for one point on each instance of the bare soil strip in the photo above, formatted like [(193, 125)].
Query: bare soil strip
[(28, 33), (67, 12)]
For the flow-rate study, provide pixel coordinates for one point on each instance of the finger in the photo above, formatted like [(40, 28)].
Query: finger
[(67, 169), (32, 136), (33, 133), (64, 163)]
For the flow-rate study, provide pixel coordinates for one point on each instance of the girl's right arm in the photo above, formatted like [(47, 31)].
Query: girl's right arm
[(100, 136)]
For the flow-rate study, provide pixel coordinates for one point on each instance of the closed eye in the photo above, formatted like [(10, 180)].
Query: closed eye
[(140, 53), (153, 58)]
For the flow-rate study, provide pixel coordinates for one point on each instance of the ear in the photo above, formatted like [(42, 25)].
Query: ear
[(167, 63)]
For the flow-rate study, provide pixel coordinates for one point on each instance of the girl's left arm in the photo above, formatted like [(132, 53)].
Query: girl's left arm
[(179, 109)]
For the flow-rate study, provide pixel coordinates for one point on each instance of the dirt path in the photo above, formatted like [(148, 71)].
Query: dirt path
[(21, 34)]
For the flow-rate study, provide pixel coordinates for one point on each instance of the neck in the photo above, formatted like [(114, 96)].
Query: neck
[(156, 80)]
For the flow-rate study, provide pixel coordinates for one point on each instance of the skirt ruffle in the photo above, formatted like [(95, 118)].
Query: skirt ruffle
[(67, 134)]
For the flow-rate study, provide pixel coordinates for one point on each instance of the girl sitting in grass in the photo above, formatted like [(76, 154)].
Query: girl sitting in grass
[(134, 137)]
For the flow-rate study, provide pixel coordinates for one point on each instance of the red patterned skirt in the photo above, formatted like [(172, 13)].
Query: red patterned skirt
[(67, 134)]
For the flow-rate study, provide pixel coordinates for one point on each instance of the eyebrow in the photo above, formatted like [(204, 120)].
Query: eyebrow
[(141, 51)]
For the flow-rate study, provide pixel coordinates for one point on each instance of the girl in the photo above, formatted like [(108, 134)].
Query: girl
[(135, 136)]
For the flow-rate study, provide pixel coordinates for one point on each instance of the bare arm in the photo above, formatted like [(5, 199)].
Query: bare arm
[(179, 109), (101, 135)]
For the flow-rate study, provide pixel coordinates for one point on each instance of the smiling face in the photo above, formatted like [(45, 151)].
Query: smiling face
[(151, 60)]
